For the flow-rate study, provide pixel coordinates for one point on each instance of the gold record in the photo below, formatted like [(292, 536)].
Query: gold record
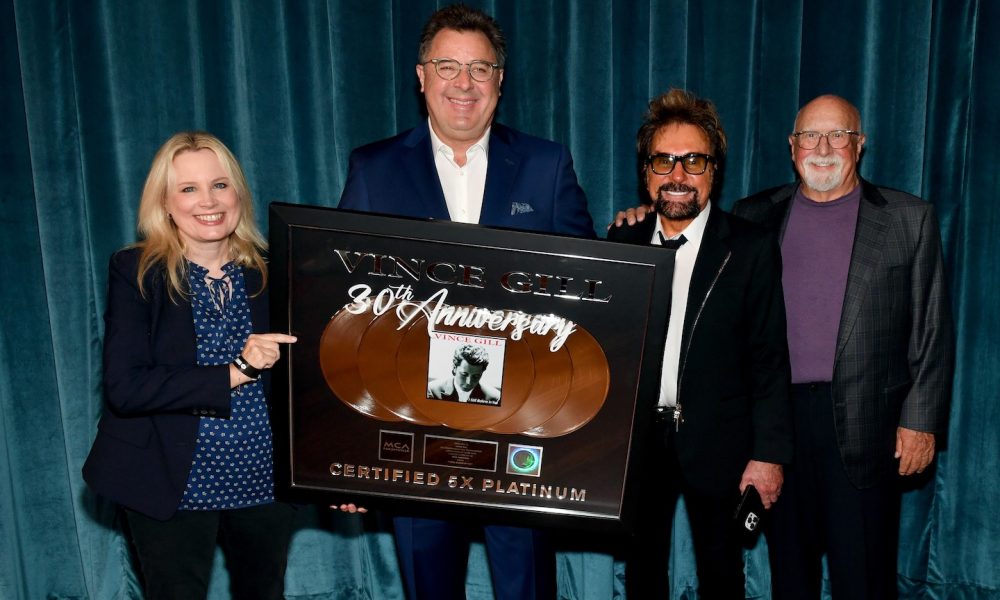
[(518, 377), (379, 360), (591, 378), (553, 377), (338, 359)]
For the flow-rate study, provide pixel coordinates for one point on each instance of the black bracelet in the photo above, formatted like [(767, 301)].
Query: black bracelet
[(246, 368)]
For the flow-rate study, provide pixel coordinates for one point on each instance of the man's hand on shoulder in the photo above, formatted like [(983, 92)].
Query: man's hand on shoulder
[(766, 477), (914, 449), (632, 216)]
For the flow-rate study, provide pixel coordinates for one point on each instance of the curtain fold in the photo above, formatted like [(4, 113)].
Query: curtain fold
[(90, 90)]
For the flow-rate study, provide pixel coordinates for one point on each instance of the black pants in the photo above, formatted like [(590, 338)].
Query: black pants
[(718, 549), (176, 555), (820, 511)]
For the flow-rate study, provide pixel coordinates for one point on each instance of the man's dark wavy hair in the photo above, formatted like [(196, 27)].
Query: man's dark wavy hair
[(474, 355), (460, 17), (679, 107)]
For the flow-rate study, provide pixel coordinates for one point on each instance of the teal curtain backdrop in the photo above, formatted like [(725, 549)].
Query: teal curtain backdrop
[(91, 88)]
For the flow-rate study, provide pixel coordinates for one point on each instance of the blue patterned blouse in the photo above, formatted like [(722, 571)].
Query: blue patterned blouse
[(232, 460)]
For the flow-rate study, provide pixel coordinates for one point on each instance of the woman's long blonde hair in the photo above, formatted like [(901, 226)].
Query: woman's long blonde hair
[(160, 243)]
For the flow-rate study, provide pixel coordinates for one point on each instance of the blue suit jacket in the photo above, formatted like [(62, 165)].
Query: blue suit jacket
[(154, 391), (530, 182), (531, 185)]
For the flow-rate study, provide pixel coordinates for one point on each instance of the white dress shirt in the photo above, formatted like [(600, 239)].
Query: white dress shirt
[(683, 267), (463, 186)]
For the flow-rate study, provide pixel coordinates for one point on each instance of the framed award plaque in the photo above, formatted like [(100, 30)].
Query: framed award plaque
[(444, 368)]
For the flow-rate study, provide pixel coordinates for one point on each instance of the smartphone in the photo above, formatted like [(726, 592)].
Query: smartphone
[(750, 510)]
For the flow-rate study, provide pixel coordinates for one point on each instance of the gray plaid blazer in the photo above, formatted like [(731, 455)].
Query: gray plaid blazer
[(896, 344)]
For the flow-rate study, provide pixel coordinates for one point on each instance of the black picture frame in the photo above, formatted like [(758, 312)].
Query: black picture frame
[(347, 413)]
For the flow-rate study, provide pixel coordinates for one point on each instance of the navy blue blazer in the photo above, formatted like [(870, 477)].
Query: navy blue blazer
[(530, 182), (530, 185), (154, 391)]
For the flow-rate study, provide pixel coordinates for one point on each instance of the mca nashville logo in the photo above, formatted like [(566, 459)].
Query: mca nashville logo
[(396, 446)]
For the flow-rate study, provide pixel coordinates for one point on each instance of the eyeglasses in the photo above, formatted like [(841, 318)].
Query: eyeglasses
[(693, 163), (838, 138), (449, 68)]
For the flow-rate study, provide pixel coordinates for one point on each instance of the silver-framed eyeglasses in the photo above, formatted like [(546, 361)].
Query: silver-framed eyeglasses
[(449, 68), (838, 138), (693, 163)]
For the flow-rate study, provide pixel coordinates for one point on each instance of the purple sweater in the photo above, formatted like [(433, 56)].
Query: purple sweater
[(816, 254)]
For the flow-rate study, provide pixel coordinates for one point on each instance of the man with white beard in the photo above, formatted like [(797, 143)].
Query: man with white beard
[(871, 346)]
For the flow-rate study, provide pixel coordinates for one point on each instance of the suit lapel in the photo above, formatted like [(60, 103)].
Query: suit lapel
[(712, 256), (259, 315), (501, 172), (869, 237), (418, 164), (777, 218), (640, 233)]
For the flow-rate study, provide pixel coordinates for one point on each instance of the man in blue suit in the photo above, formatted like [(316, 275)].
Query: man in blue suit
[(460, 166)]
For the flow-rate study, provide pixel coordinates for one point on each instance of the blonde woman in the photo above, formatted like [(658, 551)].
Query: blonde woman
[(184, 441)]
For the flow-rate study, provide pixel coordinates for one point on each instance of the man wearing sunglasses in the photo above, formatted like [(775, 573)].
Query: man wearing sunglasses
[(872, 355), (459, 165), (722, 419)]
